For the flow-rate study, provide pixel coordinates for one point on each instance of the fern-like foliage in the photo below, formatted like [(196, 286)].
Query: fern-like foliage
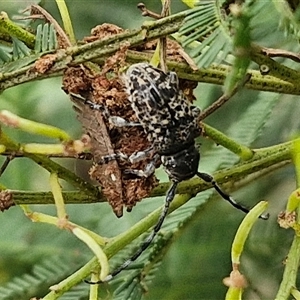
[(79, 292), (213, 29), (17, 51), (289, 17), (43, 275), (209, 31), (45, 39), (19, 55), (206, 34)]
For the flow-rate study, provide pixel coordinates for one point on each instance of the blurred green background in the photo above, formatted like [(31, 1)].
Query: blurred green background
[(200, 258)]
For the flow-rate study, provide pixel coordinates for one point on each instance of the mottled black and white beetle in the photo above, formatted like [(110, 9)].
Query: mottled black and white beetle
[(171, 124)]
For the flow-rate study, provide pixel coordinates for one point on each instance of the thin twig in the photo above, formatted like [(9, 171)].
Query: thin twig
[(223, 99), (37, 12), (81, 156), (148, 13), (162, 44), (166, 10), (77, 55), (281, 79), (271, 52)]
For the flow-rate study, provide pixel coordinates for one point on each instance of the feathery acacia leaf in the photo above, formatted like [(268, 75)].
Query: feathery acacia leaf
[(43, 275), (19, 55), (205, 26), (289, 17)]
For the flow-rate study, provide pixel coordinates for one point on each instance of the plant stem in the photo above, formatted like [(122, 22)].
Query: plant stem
[(61, 4), (51, 166), (220, 138), (64, 173), (263, 159), (114, 246), (58, 197), (293, 258), (12, 29), (275, 69), (72, 197), (101, 49), (268, 156), (10, 119), (290, 271)]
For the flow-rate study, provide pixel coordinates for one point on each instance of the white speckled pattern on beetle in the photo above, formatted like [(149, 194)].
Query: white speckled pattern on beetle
[(168, 118)]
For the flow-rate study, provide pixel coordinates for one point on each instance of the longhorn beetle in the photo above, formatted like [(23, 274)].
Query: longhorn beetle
[(171, 124)]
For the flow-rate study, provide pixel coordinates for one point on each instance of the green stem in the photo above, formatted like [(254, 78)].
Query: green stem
[(296, 159), (51, 166), (142, 226), (10, 119), (216, 74), (95, 248), (275, 69), (12, 29), (64, 173), (63, 9), (244, 230), (268, 156), (263, 159), (58, 197), (242, 151), (72, 197), (290, 271), (292, 263), (40, 217), (100, 49), (114, 246)]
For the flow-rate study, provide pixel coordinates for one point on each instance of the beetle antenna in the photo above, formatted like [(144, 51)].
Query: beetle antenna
[(208, 178)]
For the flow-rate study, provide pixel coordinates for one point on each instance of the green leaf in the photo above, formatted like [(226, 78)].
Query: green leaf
[(45, 39), (43, 274), (289, 19), (205, 26), (4, 56), (19, 49)]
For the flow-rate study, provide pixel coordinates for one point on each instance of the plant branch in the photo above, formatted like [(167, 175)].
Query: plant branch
[(12, 29), (262, 159), (51, 166), (271, 52), (293, 259), (275, 69), (62, 7), (283, 79), (70, 197), (123, 239), (64, 173)]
